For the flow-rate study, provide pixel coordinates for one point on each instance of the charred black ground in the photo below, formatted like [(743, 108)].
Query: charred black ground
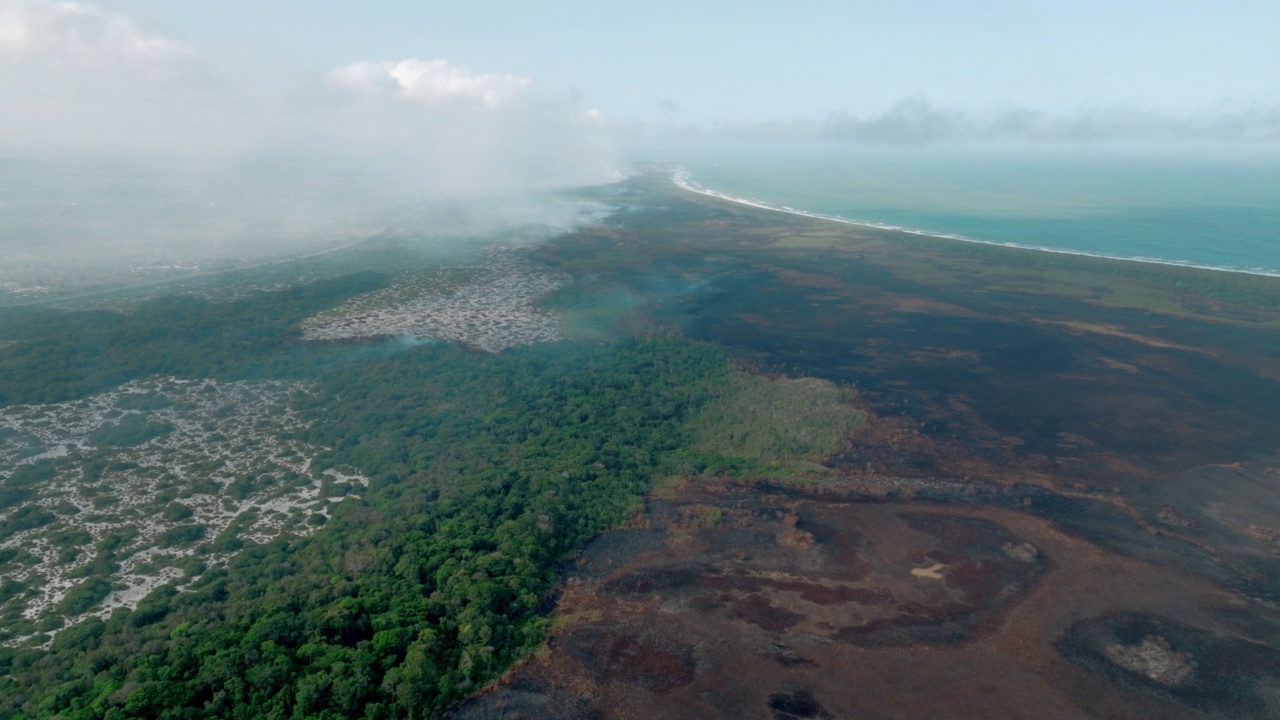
[(1069, 471)]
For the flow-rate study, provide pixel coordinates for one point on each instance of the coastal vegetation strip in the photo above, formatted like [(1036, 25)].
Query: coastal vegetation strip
[(1178, 291)]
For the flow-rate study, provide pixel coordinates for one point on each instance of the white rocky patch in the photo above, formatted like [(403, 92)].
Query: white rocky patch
[(1154, 659), (164, 466), (490, 306)]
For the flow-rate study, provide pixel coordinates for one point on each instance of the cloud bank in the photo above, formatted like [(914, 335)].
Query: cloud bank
[(80, 79), (76, 77), (918, 121)]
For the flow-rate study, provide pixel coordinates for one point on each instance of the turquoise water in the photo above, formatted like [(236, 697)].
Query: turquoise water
[(1217, 209)]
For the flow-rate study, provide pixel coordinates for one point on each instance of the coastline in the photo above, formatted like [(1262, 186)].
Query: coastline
[(681, 178)]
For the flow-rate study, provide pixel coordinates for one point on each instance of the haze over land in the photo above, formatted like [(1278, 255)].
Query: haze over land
[(406, 360), (180, 136), (122, 144)]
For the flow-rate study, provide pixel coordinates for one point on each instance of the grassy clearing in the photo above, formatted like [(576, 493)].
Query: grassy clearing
[(756, 427), (591, 310), (561, 620)]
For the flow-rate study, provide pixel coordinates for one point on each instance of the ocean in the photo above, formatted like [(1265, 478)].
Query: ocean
[(1208, 208)]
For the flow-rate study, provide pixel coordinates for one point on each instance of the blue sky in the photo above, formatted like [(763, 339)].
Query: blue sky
[(231, 76), (765, 61)]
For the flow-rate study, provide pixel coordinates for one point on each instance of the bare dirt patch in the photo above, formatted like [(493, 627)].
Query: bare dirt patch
[(733, 622)]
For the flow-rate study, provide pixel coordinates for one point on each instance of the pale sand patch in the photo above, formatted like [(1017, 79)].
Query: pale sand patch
[(218, 434), (490, 306), (1113, 331), (1117, 365), (930, 572)]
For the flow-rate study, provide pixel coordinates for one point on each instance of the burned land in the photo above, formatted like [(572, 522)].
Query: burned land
[(1064, 501), (696, 460)]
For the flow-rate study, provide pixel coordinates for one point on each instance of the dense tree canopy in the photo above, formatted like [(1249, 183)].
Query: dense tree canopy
[(485, 470)]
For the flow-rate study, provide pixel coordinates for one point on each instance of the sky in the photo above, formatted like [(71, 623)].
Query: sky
[(719, 61), (711, 66), (333, 109)]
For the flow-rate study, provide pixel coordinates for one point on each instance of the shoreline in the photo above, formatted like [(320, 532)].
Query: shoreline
[(682, 179)]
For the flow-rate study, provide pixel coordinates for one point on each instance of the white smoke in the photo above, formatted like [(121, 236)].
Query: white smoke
[(118, 141)]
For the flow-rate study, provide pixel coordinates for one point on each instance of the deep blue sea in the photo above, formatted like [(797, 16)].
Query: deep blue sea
[(1207, 207)]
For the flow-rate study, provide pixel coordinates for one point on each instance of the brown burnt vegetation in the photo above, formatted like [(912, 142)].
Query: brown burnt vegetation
[(1055, 484)]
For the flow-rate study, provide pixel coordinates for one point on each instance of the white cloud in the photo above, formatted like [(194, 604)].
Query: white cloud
[(917, 120), (80, 32), (14, 31), (463, 132), (431, 82), (77, 77)]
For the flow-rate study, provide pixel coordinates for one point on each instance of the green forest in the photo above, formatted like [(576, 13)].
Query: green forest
[(486, 470)]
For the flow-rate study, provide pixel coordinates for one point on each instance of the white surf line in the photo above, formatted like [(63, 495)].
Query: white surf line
[(682, 179)]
